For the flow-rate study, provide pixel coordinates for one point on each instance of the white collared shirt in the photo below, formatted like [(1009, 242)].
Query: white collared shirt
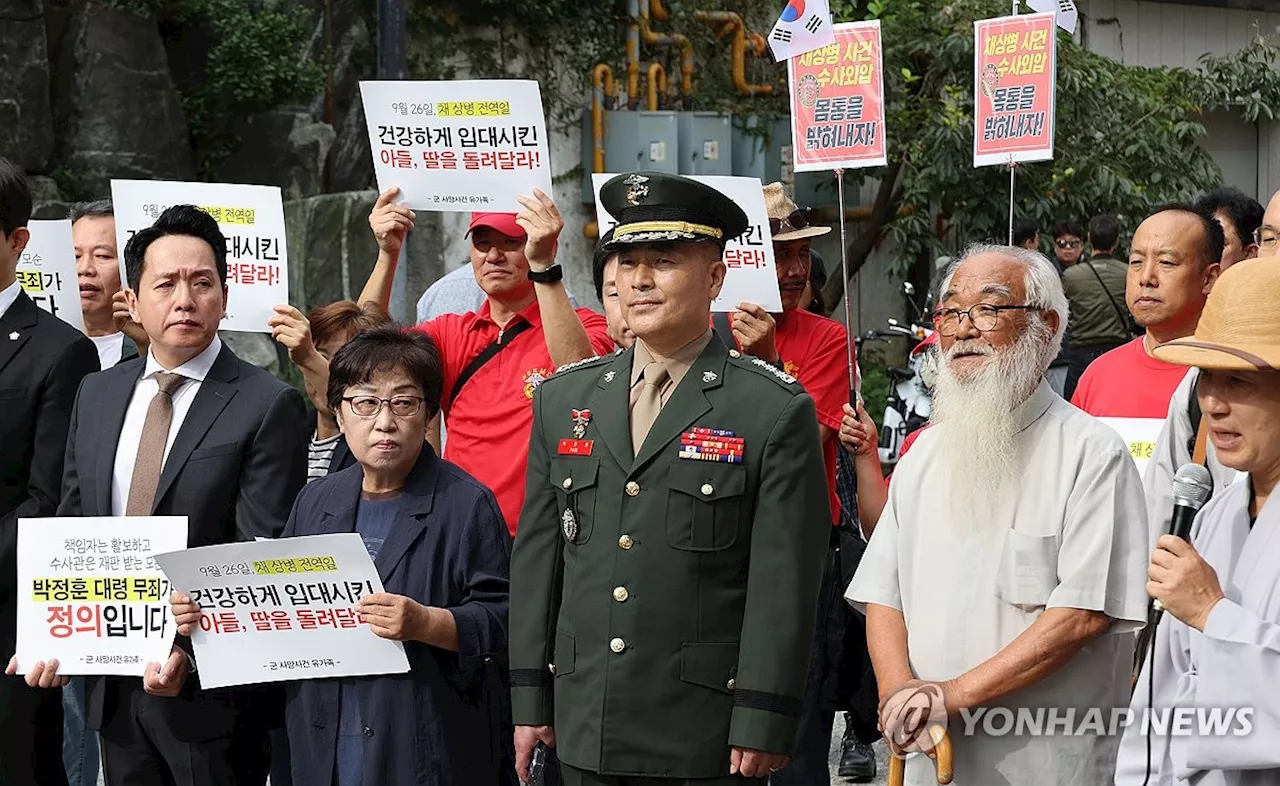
[(8, 296), (110, 347), (195, 370)]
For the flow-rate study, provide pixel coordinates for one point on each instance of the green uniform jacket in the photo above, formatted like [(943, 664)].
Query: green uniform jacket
[(676, 621)]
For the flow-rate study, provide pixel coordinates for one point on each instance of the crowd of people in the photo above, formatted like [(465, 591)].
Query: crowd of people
[(656, 545)]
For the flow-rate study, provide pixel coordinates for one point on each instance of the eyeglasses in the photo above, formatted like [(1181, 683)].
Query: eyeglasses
[(796, 220), (1069, 243), (1268, 239), (984, 317), (370, 406)]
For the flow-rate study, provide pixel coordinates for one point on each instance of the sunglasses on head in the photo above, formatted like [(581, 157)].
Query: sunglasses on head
[(791, 223)]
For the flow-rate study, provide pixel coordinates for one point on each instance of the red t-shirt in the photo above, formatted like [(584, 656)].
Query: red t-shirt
[(814, 350), (490, 422), (1128, 383)]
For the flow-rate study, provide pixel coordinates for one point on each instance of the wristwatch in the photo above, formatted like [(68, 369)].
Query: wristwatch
[(549, 276)]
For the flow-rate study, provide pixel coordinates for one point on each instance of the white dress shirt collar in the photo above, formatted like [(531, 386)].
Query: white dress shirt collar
[(9, 296), (196, 368)]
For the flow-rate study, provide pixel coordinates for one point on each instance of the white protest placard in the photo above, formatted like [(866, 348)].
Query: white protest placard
[(461, 145), (251, 218), (91, 595), (1140, 435), (47, 271), (752, 275), (277, 610)]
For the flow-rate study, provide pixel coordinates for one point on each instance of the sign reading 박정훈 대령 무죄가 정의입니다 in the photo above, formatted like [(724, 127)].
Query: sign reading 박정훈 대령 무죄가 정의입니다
[(47, 271), (837, 102), (752, 275), (250, 217), (1014, 89), (279, 610), (91, 595), (458, 146)]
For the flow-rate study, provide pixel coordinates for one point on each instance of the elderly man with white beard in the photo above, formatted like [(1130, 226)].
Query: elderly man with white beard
[(1011, 555)]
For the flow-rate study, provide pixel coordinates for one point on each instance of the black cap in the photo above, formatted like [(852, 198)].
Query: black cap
[(654, 207), (599, 260)]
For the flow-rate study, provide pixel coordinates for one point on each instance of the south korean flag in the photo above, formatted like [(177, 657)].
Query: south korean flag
[(804, 25)]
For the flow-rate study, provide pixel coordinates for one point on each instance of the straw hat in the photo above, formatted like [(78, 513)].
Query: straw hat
[(787, 217), (1240, 327)]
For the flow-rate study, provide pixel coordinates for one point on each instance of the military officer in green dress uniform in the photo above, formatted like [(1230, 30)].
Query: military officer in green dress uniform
[(665, 573)]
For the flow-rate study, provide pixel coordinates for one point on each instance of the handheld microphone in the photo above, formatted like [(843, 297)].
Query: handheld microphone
[(1192, 486)]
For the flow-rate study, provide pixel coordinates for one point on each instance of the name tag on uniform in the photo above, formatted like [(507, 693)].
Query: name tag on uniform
[(575, 447), (712, 444)]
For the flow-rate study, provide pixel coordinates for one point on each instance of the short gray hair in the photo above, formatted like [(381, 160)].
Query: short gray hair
[(98, 208), (1042, 282)]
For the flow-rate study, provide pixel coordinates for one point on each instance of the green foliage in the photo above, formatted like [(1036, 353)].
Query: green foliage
[(875, 388), (1125, 136), (1248, 80)]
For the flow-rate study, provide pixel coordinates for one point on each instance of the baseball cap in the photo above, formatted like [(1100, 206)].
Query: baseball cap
[(502, 222)]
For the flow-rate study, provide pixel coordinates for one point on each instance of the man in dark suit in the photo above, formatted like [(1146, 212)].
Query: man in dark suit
[(42, 360), (190, 430)]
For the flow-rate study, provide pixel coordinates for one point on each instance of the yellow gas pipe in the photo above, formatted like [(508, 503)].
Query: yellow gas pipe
[(657, 84), (674, 39), (728, 21), (601, 85)]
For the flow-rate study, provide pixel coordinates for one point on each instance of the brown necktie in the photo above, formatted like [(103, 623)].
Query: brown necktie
[(647, 405), (155, 435)]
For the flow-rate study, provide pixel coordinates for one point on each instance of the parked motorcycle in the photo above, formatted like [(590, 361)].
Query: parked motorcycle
[(910, 399)]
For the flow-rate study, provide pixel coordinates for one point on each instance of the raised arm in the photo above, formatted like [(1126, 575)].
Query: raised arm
[(390, 223), (566, 338)]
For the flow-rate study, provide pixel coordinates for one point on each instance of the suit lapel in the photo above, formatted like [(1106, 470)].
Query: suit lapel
[(611, 408), (114, 405), (411, 521), (341, 503), (215, 393), (688, 403), (20, 319)]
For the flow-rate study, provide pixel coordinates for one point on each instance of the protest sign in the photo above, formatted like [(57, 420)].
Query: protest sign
[(277, 610), (460, 145), (1140, 435), (752, 276), (251, 217), (837, 102), (91, 595), (47, 271), (1013, 89)]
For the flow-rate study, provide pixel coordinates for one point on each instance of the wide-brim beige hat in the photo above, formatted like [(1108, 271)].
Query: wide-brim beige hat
[(780, 208), (1240, 327)]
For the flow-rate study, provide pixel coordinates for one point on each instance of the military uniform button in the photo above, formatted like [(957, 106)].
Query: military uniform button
[(632, 488), (733, 353), (707, 490), (620, 594), (568, 482), (551, 667), (731, 684), (625, 542), (617, 645)]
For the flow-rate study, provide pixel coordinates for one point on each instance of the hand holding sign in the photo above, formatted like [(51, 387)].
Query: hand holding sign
[(755, 329), (292, 330), (186, 613), (395, 617), (42, 675), (542, 223), (390, 222), (167, 681), (124, 321)]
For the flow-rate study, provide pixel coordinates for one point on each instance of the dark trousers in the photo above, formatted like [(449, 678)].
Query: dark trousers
[(139, 749), (576, 777), (30, 735), (1078, 359)]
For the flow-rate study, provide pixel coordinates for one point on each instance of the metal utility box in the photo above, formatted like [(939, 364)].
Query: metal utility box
[(705, 144), (758, 146), (633, 141)]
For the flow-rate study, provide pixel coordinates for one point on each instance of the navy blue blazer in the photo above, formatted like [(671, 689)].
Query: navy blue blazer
[(447, 721)]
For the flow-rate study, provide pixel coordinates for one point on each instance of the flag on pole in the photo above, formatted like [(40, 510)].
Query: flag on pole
[(804, 25), (1064, 11)]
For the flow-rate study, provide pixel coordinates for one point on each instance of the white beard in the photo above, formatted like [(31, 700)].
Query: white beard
[(977, 421)]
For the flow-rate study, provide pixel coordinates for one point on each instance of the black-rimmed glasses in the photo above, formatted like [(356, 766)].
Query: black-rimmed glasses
[(984, 317), (370, 406)]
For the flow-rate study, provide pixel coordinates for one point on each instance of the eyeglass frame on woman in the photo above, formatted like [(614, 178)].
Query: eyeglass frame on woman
[(794, 221), (383, 402), (942, 313), (1270, 243)]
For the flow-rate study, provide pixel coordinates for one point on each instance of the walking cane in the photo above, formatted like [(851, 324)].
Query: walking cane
[(941, 755)]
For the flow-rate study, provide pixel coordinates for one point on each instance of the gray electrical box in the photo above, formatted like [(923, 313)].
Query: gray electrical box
[(706, 144), (633, 141), (758, 147)]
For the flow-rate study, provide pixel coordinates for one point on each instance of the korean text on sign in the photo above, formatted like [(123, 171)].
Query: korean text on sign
[(459, 145), (47, 271), (273, 602), (1014, 67), (252, 220), (837, 102), (751, 276), (92, 595)]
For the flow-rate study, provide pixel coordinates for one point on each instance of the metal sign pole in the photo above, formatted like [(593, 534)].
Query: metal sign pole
[(848, 298)]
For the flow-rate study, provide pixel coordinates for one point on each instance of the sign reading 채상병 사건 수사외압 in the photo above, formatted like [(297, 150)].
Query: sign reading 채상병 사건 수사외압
[(1013, 92)]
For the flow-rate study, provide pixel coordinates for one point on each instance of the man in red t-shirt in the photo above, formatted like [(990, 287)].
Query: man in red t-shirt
[(527, 313), (1174, 260)]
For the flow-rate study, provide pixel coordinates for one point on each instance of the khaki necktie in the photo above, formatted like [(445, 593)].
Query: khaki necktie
[(155, 435), (647, 405)]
